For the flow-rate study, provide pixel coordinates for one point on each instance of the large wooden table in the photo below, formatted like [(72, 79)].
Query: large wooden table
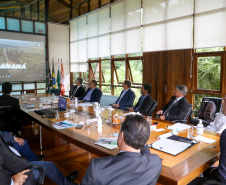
[(179, 169)]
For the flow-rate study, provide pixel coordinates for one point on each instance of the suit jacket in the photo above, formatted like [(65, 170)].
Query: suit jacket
[(145, 106), (16, 117), (179, 109), (127, 100), (79, 93), (95, 96), (11, 164), (8, 138), (125, 168)]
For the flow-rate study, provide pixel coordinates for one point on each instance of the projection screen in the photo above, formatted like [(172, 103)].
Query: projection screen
[(22, 57)]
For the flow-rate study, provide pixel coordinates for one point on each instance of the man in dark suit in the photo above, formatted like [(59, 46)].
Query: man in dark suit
[(77, 90), (216, 173), (16, 118), (12, 168), (93, 94), (178, 107), (134, 164), (145, 102), (126, 98)]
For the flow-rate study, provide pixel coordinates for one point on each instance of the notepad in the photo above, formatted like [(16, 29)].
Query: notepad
[(179, 127), (109, 143), (64, 124), (204, 139), (163, 136), (170, 146), (85, 104)]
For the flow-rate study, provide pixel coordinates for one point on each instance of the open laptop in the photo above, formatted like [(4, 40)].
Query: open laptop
[(62, 106)]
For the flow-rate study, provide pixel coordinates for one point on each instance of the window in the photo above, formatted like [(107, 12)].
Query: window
[(119, 72), (135, 68)]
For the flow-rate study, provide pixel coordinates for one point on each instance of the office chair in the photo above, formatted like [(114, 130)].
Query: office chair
[(186, 117), (153, 108), (212, 182), (8, 120), (41, 178), (218, 103)]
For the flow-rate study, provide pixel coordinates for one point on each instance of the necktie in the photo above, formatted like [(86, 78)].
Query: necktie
[(73, 94)]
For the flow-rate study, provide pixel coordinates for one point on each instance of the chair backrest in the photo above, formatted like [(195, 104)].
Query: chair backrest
[(212, 182), (153, 108), (189, 112), (107, 99), (5, 111), (6, 117), (55, 92), (217, 101)]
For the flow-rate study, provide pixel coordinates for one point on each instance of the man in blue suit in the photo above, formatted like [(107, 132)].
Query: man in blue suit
[(126, 97), (93, 94)]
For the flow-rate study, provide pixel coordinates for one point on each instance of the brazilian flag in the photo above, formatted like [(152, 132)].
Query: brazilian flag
[(53, 77), (58, 75)]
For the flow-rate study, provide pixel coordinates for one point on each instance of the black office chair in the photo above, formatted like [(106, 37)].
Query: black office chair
[(41, 178), (212, 182), (153, 108), (8, 120), (218, 103), (186, 117), (56, 92)]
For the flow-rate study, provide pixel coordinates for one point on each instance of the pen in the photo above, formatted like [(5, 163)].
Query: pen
[(210, 147)]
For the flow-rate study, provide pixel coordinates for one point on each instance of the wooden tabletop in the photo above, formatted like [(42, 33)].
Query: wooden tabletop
[(179, 169)]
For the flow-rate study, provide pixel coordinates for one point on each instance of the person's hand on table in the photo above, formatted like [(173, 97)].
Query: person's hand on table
[(162, 117), (130, 109), (19, 178), (113, 105), (159, 112), (19, 140)]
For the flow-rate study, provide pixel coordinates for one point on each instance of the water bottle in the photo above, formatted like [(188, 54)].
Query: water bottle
[(200, 128), (99, 124)]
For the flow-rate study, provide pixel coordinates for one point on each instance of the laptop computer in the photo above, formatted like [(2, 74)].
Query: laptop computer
[(62, 106)]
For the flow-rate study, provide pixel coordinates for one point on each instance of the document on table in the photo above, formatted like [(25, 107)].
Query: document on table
[(85, 104), (64, 124), (109, 143), (163, 136), (170, 146), (204, 139), (179, 126), (131, 113)]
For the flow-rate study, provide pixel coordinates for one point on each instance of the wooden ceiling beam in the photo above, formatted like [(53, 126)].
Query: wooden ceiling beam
[(65, 3)]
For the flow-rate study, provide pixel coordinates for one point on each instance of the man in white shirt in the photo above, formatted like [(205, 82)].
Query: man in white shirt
[(219, 123)]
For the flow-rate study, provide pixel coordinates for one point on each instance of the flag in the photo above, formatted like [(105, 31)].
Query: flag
[(53, 77), (62, 79), (58, 74), (48, 78)]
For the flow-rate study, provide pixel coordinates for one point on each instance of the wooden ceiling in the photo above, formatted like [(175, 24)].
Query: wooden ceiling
[(59, 11)]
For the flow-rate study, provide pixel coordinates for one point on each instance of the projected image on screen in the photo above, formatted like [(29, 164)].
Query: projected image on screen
[(22, 60)]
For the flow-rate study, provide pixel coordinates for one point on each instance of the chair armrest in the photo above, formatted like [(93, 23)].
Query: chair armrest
[(192, 113), (212, 182), (41, 173), (180, 121)]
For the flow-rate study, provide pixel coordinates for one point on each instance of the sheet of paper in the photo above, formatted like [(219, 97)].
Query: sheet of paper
[(163, 136), (204, 139), (109, 143), (64, 124), (92, 120), (131, 113), (159, 130), (170, 146), (179, 126), (85, 104)]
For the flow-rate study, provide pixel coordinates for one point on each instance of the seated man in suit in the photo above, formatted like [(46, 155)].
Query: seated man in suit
[(6, 99), (145, 102), (216, 173), (93, 94), (178, 107), (12, 166), (219, 124), (126, 98), (21, 146), (134, 164), (77, 90)]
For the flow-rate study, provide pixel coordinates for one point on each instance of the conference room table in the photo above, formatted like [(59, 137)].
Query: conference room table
[(176, 170)]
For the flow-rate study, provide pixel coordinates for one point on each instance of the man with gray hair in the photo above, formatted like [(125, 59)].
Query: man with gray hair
[(178, 107)]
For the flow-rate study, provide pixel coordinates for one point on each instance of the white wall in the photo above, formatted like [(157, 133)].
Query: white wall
[(58, 40)]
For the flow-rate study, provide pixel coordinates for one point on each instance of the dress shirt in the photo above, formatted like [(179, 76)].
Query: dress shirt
[(88, 95), (219, 123), (124, 92), (17, 153)]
